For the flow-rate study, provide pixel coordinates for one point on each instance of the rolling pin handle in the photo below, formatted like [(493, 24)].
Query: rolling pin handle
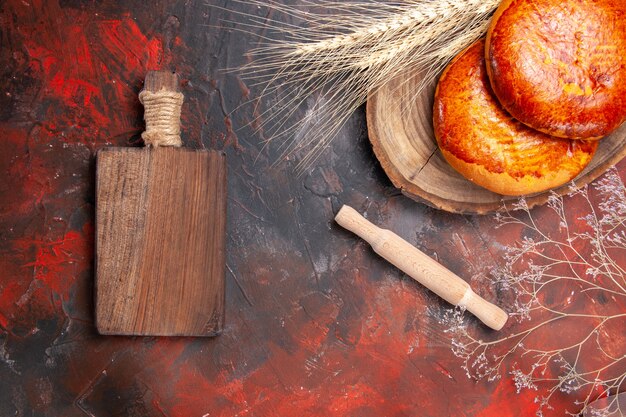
[(422, 268), (351, 220), (490, 314)]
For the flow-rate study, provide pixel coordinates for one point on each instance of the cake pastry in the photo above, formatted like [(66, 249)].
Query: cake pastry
[(488, 146), (559, 66)]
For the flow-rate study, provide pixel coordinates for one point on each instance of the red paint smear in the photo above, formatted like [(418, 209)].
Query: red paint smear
[(193, 393), (91, 67), (55, 261), (442, 369), (128, 46), (4, 321), (355, 397), (9, 295), (286, 384), (26, 181), (311, 373), (253, 396), (157, 406), (42, 275), (521, 404), (68, 70), (71, 89)]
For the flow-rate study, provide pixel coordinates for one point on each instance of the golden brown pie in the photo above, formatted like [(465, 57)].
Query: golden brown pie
[(559, 66), (486, 145)]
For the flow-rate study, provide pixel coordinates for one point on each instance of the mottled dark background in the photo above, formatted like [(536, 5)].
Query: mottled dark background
[(316, 324)]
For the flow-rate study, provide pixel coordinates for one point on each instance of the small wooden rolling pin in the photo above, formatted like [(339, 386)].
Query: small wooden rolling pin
[(422, 268)]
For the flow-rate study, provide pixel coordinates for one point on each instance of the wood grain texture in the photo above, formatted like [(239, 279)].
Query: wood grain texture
[(160, 227), (400, 127), (161, 80)]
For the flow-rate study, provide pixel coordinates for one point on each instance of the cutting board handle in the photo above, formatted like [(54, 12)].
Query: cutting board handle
[(422, 268), (162, 101)]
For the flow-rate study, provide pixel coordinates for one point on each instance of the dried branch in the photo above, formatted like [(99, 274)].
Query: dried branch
[(586, 256)]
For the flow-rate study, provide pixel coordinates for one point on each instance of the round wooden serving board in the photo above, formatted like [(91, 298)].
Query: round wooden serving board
[(401, 131)]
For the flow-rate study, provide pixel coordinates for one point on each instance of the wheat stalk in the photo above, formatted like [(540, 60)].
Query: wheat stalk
[(331, 55)]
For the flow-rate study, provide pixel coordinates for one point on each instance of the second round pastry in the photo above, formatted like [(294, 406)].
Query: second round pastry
[(559, 66), (486, 145)]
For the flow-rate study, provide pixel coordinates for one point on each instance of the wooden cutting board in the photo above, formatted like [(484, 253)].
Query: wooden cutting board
[(400, 129), (160, 228)]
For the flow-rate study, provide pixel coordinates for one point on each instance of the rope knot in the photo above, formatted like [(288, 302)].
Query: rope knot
[(162, 116)]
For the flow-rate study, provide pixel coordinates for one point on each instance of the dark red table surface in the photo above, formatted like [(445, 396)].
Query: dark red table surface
[(316, 323)]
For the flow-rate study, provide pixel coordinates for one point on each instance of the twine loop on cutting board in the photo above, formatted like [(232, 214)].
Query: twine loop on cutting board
[(162, 116)]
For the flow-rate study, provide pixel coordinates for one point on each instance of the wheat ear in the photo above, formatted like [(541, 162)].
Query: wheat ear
[(334, 54)]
